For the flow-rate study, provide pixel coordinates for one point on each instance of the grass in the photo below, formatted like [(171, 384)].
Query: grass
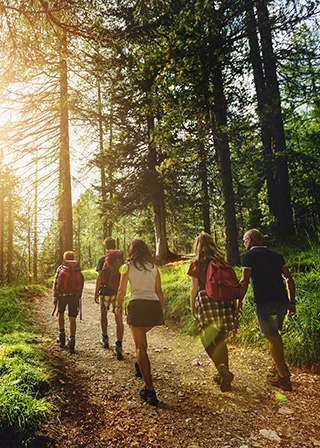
[(24, 378), (301, 333)]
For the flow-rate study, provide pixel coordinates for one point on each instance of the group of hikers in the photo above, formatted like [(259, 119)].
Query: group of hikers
[(216, 298)]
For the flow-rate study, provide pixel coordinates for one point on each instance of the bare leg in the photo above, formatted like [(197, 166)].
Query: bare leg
[(140, 339), (61, 321), (120, 326), (104, 322), (276, 350), (73, 326)]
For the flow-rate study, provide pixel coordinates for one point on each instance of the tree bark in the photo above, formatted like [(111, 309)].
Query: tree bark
[(10, 226), (221, 145), (1, 220), (205, 200), (65, 202), (269, 110)]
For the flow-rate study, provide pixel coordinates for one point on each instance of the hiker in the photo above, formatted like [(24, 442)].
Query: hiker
[(145, 308), (67, 291), (266, 269), (215, 317), (106, 290)]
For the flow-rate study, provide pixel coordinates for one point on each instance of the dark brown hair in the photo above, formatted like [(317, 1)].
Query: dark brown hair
[(139, 254), (109, 243)]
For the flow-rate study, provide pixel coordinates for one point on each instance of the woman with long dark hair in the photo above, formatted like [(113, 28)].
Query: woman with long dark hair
[(145, 308), (220, 317)]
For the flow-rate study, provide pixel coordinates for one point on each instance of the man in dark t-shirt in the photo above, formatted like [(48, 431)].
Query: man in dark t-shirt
[(266, 269)]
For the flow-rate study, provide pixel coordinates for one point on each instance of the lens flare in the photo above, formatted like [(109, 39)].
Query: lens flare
[(280, 396), (123, 269)]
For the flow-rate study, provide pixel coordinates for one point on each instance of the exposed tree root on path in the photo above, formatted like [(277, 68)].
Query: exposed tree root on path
[(96, 399)]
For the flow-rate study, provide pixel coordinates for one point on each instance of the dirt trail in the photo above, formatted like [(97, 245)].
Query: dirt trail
[(97, 404)]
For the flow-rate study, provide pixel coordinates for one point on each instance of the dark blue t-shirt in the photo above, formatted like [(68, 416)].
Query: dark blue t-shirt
[(266, 274)]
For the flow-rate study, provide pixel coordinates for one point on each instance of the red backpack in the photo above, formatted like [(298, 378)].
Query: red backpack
[(70, 279), (221, 282), (110, 271)]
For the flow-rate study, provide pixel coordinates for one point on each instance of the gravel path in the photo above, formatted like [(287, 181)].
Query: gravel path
[(96, 399)]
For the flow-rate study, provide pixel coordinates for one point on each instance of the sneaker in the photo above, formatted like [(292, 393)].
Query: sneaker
[(149, 396), (138, 371), (226, 377), (119, 352), (282, 383), (62, 339), (104, 341), (71, 344)]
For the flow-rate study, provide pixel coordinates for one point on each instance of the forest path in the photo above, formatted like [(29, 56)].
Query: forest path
[(97, 404)]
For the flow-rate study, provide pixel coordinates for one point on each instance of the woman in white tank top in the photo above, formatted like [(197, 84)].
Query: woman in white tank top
[(145, 308)]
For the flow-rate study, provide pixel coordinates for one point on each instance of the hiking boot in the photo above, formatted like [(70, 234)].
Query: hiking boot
[(226, 377), (71, 344), (217, 378), (61, 339), (149, 396), (282, 383), (119, 351), (104, 341), (138, 371)]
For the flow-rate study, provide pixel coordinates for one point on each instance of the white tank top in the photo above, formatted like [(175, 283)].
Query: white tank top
[(143, 283)]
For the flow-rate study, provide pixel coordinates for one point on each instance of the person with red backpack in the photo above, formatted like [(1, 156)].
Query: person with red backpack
[(67, 291), (107, 283), (214, 295)]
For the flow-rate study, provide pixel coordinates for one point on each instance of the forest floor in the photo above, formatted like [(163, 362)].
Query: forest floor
[(96, 400)]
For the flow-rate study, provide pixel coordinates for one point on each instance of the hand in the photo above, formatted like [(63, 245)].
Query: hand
[(118, 310), (96, 298), (291, 309), (55, 301)]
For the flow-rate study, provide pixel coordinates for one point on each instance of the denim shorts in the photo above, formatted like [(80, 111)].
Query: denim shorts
[(271, 316)]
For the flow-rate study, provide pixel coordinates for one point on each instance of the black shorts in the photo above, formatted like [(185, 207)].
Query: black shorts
[(145, 313), (73, 305)]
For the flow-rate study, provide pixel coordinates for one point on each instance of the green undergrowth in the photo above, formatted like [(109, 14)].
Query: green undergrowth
[(301, 333), (24, 378)]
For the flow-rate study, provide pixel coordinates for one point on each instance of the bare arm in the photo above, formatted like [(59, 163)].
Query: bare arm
[(159, 289), (122, 290), (291, 288), (244, 282), (193, 292), (98, 284)]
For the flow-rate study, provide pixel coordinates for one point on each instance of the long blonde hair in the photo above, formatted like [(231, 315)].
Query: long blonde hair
[(206, 250)]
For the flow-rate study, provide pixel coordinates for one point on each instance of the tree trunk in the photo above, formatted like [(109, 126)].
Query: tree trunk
[(1, 220), (221, 145), (269, 107), (156, 192), (262, 101), (102, 166), (35, 227), (65, 203), (10, 237), (205, 200)]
